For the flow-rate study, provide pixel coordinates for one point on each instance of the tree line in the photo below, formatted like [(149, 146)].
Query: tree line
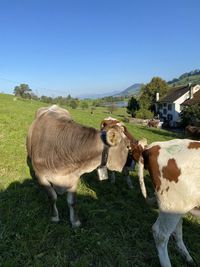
[(24, 91)]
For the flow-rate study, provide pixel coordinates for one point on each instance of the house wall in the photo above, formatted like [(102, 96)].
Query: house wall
[(176, 106)]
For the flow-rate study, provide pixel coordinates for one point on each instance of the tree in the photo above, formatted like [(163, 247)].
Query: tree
[(73, 104), (144, 114), (190, 115), (112, 108), (23, 90), (84, 105), (148, 96), (133, 106), (46, 99)]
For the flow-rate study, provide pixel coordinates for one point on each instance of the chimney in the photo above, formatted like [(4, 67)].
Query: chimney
[(191, 90), (157, 97)]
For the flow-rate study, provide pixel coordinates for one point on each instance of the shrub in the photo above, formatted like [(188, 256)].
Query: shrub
[(144, 114), (190, 115)]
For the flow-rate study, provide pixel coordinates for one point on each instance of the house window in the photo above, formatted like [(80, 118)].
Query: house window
[(160, 106), (169, 106), (164, 111), (164, 105), (169, 117)]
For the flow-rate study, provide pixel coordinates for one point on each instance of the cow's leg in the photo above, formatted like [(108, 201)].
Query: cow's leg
[(178, 236), (52, 197), (32, 172), (71, 200), (112, 177), (129, 182), (128, 178), (162, 229)]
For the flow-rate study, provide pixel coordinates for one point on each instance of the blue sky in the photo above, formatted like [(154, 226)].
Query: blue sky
[(94, 46)]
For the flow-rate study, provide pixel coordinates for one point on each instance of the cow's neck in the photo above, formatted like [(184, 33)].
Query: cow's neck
[(106, 146), (102, 169)]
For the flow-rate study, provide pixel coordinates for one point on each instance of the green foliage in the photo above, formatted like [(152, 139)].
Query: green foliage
[(73, 103), (148, 95), (84, 104), (24, 91), (132, 106), (110, 234), (112, 107), (191, 115), (144, 114), (46, 99), (188, 77)]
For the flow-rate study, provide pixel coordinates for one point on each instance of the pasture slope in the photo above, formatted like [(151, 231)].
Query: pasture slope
[(116, 230)]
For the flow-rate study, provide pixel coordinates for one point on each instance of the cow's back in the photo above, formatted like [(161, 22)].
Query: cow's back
[(58, 113), (175, 170), (54, 142)]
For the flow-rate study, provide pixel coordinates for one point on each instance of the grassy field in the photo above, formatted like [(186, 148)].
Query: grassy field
[(116, 222)]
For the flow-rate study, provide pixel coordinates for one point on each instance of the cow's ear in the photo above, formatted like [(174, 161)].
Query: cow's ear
[(102, 124), (143, 142), (113, 137)]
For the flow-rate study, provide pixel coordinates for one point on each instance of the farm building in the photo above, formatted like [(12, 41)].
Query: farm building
[(170, 106)]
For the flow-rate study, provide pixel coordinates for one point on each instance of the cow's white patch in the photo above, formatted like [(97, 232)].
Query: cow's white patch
[(174, 149)]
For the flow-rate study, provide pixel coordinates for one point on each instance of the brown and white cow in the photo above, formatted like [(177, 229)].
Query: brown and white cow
[(174, 167), (61, 150), (130, 164)]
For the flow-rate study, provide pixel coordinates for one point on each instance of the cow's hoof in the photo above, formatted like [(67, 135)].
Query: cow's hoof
[(55, 219), (192, 263), (76, 224), (130, 186)]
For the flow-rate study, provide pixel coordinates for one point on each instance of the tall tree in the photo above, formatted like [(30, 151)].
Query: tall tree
[(148, 96), (133, 106), (23, 90)]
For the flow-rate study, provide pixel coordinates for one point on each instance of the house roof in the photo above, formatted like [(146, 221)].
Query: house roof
[(194, 100), (175, 93)]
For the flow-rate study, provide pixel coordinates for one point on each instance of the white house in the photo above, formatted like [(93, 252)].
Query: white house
[(169, 106)]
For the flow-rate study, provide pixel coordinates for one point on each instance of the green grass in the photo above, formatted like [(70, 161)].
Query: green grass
[(116, 222)]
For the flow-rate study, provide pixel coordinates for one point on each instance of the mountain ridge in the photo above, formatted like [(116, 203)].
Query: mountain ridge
[(185, 78)]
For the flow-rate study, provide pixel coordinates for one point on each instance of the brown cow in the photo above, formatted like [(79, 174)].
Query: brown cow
[(61, 150)]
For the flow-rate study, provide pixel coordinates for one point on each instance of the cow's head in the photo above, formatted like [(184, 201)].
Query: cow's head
[(109, 122), (117, 141)]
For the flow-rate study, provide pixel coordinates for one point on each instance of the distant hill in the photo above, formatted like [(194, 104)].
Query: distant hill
[(131, 90), (96, 95), (185, 78)]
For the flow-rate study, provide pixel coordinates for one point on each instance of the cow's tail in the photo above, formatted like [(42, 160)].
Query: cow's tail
[(141, 176), (151, 201), (142, 143)]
